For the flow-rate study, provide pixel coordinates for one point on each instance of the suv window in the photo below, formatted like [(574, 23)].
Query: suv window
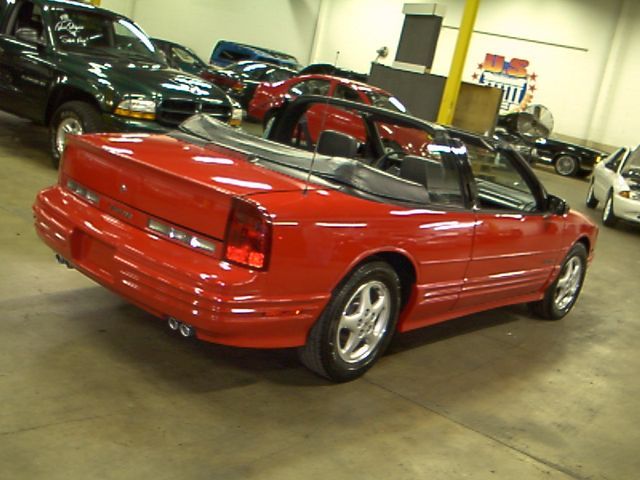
[(500, 184), (79, 31), (27, 16), (310, 87)]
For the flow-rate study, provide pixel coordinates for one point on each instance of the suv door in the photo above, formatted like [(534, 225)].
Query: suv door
[(25, 71)]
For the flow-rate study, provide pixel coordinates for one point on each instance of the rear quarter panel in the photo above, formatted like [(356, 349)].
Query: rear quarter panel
[(320, 236)]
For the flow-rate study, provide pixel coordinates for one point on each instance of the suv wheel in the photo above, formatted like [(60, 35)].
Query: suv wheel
[(72, 118)]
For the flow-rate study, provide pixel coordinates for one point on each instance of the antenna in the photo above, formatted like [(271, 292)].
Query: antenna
[(324, 119)]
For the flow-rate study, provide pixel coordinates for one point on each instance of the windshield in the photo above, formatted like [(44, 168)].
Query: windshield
[(186, 56), (79, 31), (632, 166), (385, 101)]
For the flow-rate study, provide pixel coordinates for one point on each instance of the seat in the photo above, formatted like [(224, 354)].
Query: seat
[(337, 144), (430, 174), (414, 168)]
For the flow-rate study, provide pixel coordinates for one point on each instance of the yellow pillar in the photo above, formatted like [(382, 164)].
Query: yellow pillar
[(452, 86), (95, 2)]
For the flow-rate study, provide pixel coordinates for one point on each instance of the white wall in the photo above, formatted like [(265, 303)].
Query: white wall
[(592, 93), (124, 7), (286, 25), (566, 42), (616, 118)]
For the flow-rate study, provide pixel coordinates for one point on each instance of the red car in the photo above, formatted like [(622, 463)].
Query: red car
[(270, 98), (260, 243)]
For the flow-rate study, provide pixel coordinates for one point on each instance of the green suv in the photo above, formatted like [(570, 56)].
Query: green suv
[(78, 68)]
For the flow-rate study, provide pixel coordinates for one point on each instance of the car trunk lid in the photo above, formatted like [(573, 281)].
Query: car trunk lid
[(185, 184)]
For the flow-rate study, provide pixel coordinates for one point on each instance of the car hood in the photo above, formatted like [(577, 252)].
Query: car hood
[(124, 75)]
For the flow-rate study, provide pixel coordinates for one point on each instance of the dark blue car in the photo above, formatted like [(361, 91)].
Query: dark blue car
[(226, 53)]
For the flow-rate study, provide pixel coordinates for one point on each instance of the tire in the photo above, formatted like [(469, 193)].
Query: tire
[(608, 215), (591, 201), (352, 333), (75, 117), (566, 165), (562, 294)]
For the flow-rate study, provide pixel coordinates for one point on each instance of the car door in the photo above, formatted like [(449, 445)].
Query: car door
[(25, 70), (517, 244)]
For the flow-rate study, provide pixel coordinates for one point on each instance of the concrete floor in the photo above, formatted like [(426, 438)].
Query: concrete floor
[(92, 387)]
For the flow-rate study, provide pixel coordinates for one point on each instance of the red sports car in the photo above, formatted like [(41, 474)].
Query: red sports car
[(329, 247)]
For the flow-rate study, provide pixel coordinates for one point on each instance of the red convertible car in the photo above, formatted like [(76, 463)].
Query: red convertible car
[(330, 247)]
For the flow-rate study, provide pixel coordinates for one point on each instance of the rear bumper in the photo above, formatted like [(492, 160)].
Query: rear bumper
[(225, 304)]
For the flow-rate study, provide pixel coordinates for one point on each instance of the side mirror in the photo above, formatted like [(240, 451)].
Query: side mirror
[(557, 205), (29, 35)]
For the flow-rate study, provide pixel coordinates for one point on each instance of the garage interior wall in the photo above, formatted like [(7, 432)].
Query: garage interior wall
[(580, 50), (286, 25), (568, 43)]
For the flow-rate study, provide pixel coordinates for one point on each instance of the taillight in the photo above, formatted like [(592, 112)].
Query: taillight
[(238, 87), (82, 192), (248, 238)]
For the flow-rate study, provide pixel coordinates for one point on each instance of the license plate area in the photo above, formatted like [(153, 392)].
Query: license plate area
[(93, 254)]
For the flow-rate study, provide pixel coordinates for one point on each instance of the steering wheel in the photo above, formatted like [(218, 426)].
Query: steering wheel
[(381, 162)]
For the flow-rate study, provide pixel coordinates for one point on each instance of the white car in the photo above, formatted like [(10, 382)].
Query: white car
[(616, 182)]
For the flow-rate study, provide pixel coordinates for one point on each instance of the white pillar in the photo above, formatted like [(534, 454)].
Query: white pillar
[(601, 110)]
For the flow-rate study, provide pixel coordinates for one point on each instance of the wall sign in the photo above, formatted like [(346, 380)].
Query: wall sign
[(517, 84)]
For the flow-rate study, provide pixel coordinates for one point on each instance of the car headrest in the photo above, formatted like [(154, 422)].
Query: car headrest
[(337, 144)]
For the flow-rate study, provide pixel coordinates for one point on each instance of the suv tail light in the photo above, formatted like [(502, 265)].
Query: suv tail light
[(248, 237)]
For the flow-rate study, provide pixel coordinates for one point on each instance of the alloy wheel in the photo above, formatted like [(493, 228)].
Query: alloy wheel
[(364, 322), (568, 283)]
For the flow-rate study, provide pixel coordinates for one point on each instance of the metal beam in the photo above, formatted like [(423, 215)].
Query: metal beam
[(452, 86)]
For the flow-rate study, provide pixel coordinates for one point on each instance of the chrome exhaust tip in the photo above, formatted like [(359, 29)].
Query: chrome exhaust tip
[(187, 330), (173, 324)]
